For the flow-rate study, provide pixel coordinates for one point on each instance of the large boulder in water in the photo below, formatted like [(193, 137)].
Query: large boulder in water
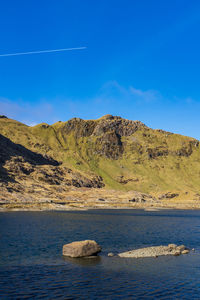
[(81, 249)]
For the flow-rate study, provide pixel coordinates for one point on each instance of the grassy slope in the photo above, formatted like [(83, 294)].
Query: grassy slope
[(164, 173)]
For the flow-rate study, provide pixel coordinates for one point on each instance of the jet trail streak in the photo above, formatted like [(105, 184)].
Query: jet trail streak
[(42, 51)]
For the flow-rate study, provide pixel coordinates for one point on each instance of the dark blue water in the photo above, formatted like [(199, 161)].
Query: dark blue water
[(32, 266)]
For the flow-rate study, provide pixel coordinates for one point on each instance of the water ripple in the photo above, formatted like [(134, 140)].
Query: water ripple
[(32, 265)]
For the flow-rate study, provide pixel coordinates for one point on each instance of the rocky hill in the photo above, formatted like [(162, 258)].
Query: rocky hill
[(110, 153)]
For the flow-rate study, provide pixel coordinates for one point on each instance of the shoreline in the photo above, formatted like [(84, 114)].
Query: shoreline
[(82, 199), (61, 208)]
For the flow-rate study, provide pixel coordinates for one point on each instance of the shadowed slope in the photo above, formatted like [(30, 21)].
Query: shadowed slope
[(10, 150)]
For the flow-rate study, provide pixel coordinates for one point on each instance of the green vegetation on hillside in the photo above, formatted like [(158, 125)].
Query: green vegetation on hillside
[(126, 154)]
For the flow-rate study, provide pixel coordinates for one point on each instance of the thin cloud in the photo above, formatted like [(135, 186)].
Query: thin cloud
[(113, 90), (147, 96), (26, 112), (112, 98)]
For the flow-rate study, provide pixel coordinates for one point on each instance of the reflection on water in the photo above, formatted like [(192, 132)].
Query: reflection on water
[(83, 261), (32, 265)]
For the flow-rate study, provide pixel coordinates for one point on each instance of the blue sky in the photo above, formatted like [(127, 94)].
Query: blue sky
[(142, 61)]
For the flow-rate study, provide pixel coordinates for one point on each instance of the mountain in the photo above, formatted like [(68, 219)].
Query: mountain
[(110, 153)]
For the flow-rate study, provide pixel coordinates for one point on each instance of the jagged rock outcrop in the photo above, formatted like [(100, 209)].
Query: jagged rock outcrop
[(108, 131), (109, 145), (117, 125), (156, 152), (123, 180), (168, 195), (79, 127), (142, 198), (108, 123)]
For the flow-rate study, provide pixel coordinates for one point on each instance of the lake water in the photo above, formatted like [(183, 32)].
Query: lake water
[(32, 266)]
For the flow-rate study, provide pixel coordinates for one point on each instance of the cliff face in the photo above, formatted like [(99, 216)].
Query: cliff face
[(118, 153)]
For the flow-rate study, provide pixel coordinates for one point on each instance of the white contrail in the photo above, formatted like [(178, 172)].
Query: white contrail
[(42, 51)]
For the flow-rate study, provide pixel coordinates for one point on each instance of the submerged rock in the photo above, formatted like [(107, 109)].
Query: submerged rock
[(156, 251), (81, 249), (181, 248), (185, 251)]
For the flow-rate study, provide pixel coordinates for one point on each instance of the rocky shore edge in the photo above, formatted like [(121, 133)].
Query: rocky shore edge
[(84, 199), (38, 207)]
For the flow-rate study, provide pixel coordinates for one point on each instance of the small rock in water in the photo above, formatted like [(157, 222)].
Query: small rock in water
[(110, 254), (181, 248), (81, 249), (177, 253), (185, 251), (172, 246)]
